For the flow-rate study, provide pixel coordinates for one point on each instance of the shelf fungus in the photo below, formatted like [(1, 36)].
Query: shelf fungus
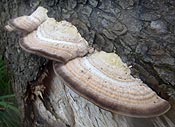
[(100, 77), (59, 41), (28, 23), (105, 80)]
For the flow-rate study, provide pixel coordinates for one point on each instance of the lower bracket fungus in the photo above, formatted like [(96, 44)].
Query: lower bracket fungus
[(100, 77), (105, 80)]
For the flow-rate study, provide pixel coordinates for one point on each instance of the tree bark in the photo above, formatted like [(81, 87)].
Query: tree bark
[(140, 31)]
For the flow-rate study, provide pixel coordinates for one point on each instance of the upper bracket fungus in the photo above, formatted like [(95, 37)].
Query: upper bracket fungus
[(28, 23), (59, 41), (100, 77)]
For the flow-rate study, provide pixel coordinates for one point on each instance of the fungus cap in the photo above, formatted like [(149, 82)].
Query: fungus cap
[(59, 41), (28, 23), (105, 80)]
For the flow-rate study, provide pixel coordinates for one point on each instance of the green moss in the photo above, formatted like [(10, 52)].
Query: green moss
[(9, 113)]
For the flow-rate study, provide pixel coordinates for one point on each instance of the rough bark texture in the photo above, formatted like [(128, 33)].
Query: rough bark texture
[(142, 32)]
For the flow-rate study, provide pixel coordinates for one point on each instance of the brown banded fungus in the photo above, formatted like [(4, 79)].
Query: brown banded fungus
[(59, 41), (100, 77), (28, 23), (105, 80)]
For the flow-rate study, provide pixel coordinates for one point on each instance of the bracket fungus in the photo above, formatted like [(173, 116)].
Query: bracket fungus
[(59, 41), (100, 77), (28, 23), (105, 80)]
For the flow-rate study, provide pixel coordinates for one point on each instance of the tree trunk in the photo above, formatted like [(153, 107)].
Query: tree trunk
[(140, 31)]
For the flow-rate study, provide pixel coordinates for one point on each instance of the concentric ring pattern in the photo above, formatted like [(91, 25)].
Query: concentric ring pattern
[(59, 41), (105, 80)]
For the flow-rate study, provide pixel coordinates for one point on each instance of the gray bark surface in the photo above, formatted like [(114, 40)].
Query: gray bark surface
[(142, 32)]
